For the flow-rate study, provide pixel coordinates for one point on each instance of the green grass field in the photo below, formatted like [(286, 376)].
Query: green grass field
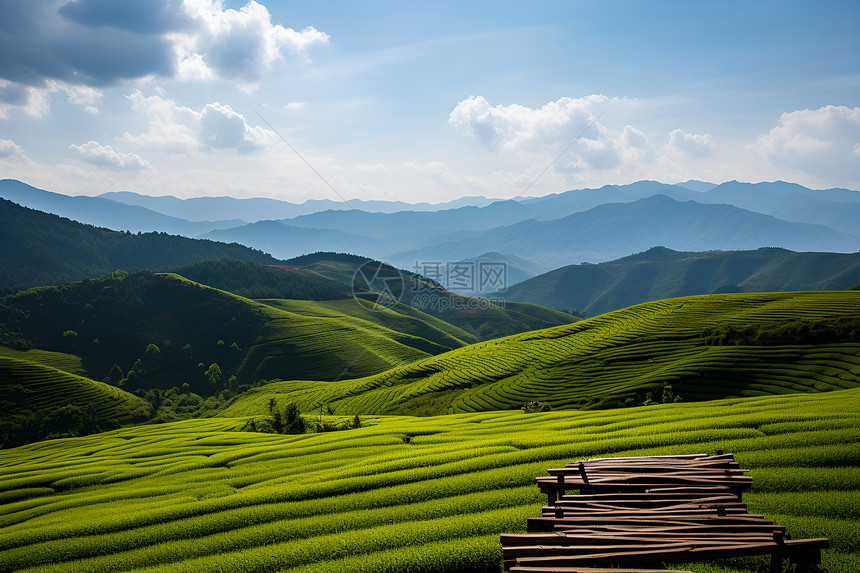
[(398, 494), (605, 360), (42, 388), (59, 360), (37, 401)]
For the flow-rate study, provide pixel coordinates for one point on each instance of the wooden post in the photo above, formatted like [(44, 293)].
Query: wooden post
[(776, 556)]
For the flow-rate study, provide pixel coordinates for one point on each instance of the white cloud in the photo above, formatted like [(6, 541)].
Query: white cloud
[(10, 150), (370, 167), (542, 133), (85, 45), (223, 128), (105, 156), (295, 106), (516, 127), (696, 146), (178, 129), (239, 44), (34, 101), (822, 142)]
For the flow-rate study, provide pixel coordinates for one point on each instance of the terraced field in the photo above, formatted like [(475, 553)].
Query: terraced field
[(59, 360), (612, 358), (305, 339), (398, 494), (41, 388)]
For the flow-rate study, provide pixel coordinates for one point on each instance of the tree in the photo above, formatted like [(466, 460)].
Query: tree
[(668, 394), (213, 374), (115, 375), (152, 352), (278, 421), (294, 423)]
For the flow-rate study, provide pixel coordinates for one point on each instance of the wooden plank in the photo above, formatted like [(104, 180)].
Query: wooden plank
[(528, 569)]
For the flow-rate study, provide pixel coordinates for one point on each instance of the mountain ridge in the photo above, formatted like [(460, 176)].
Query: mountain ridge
[(660, 273)]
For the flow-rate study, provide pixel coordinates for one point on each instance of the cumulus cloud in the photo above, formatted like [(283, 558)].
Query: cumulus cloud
[(822, 141), (179, 129), (696, 146), (241, 43), (515, 126), (105, 156), (96, 43), (9, 149), (545, 131)]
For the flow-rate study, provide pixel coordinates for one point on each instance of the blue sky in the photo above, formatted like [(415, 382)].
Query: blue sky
[(424, 101)]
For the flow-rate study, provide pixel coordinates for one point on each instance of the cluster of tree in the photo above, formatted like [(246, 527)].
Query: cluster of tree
[(785, 333), (254, 280), (180, 403), (289, 420), (44, 249), (535, 407), (668, 395), (20, 426)]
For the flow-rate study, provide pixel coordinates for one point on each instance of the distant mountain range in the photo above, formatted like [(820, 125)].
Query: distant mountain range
[(614, 230), (261, 208), (529, 235), (664, 273), (106, 213)]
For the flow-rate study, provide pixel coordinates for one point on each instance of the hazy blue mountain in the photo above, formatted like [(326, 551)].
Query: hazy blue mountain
[(103, 212), (407, 229), (476, 276), (410, 228), (261, 208), (286, 241), (558, 205), (769, 196), (614, 230), (661, 273), (698, 186), (843, 217), (38, 249)]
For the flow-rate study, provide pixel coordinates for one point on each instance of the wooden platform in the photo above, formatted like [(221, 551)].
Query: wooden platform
[(634, 514)]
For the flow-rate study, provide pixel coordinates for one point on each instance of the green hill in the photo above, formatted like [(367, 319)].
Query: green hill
[(162, 330), (38, 401), (663, 273), (41, 249), (398, 495), (696, 348), (255, 280), (481, 319)]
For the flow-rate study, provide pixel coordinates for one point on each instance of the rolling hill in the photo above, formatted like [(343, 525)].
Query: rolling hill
[(163, 330), (399, 494), (415, 295), (701, 347), (37, 401), (663, 273), (115, 319), (39, 249), (253, 280)]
